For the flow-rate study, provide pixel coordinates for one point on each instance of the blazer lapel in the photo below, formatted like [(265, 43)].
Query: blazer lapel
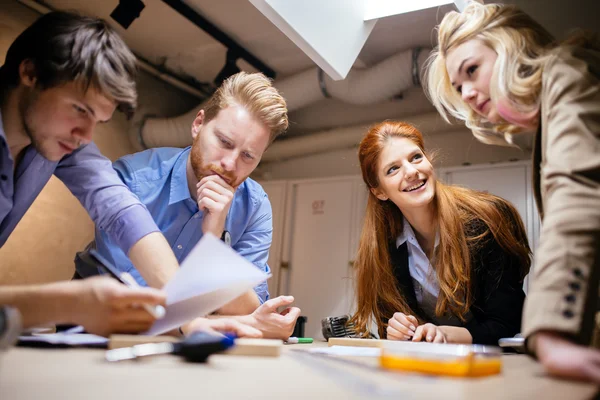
[(536, 171), (399, 259)]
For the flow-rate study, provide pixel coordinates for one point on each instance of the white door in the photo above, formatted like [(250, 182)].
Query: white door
[(359, 206), (320, 248), (508, 182), (276, 190)]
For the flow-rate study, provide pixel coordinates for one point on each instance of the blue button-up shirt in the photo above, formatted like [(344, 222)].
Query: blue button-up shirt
[(158, 177), (88, 175)]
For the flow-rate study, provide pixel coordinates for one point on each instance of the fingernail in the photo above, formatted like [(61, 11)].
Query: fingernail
[(412, 327), (429, 338), (412, 333)]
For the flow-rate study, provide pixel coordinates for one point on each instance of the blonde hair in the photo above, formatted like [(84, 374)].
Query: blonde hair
[(522, 46), (254, 92)]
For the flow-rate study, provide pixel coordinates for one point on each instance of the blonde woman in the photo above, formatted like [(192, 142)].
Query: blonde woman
[(436, 262), (503, 74)]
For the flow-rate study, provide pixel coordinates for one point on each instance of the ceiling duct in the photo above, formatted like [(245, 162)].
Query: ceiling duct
[(370, 85), (343, 138)]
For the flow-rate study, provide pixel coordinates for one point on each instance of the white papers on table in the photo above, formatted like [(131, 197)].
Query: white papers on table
[(71, 337), (348, 351), (211, 276)]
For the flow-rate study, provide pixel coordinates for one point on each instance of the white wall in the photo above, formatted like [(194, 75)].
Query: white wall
[(332, 113), (455, 148)]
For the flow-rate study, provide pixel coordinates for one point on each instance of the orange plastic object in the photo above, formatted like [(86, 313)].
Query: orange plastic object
[(442, 359)]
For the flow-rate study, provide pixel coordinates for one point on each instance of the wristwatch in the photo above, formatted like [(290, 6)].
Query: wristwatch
[(226, 237)]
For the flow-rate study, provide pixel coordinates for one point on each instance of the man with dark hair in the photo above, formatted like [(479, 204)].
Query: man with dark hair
[(62, 76)]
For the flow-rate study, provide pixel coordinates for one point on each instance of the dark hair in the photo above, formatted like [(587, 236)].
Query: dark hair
[(66, 47)]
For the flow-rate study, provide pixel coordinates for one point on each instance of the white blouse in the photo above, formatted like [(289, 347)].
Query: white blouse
[(419, 265), (424, 278)]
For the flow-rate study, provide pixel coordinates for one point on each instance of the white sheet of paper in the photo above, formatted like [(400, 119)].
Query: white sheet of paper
[(348, 351), (212, 275), (71, 337)]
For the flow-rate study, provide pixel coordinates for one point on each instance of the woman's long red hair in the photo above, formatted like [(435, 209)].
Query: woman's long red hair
[(457, 209)]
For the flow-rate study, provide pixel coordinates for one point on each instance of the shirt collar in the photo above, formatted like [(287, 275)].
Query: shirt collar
[(409, 234), (2, 133), (179, 185), (3, 139)]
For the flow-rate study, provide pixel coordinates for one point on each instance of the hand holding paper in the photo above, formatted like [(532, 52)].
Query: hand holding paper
[(212, 275)]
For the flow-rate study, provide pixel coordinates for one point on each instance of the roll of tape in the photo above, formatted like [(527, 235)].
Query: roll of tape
[(10, 326)]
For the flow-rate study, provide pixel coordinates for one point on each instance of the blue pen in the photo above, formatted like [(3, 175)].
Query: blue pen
[(157, 312)]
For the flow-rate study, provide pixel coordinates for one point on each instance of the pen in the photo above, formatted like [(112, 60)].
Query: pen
[(157, 311), (294, 340)]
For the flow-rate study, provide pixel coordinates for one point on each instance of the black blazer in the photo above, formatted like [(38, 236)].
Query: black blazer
[(497, 290)]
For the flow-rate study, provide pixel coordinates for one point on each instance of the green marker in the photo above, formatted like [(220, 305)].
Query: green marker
[(294, 340)]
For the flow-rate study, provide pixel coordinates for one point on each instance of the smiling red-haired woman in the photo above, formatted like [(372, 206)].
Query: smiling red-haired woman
[(436, 262)]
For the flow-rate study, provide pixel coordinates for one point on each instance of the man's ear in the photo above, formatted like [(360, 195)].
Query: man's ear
[(27, 75), (197, 124), (379, 194)]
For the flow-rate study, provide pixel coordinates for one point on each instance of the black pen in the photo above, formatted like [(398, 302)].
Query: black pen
[(157, 311)]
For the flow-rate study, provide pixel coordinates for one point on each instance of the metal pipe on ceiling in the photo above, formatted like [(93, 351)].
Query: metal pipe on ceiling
[(377, 83), (234, 48), (344, 137)]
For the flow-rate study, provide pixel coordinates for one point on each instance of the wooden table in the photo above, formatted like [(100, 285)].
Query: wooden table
[(48, 374)]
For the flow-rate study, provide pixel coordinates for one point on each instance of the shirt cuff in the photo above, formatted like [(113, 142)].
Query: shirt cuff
[(132, 225), (545, 310), (484, 333), (529, 344), (479, 335), (262, 292)]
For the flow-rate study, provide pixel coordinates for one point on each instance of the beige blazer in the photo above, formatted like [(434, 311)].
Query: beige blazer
[(563, 295)]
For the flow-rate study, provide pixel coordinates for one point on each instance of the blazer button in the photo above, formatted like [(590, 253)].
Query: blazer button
[(575, 286), (577, 272), (568, 314), (570, 298)]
